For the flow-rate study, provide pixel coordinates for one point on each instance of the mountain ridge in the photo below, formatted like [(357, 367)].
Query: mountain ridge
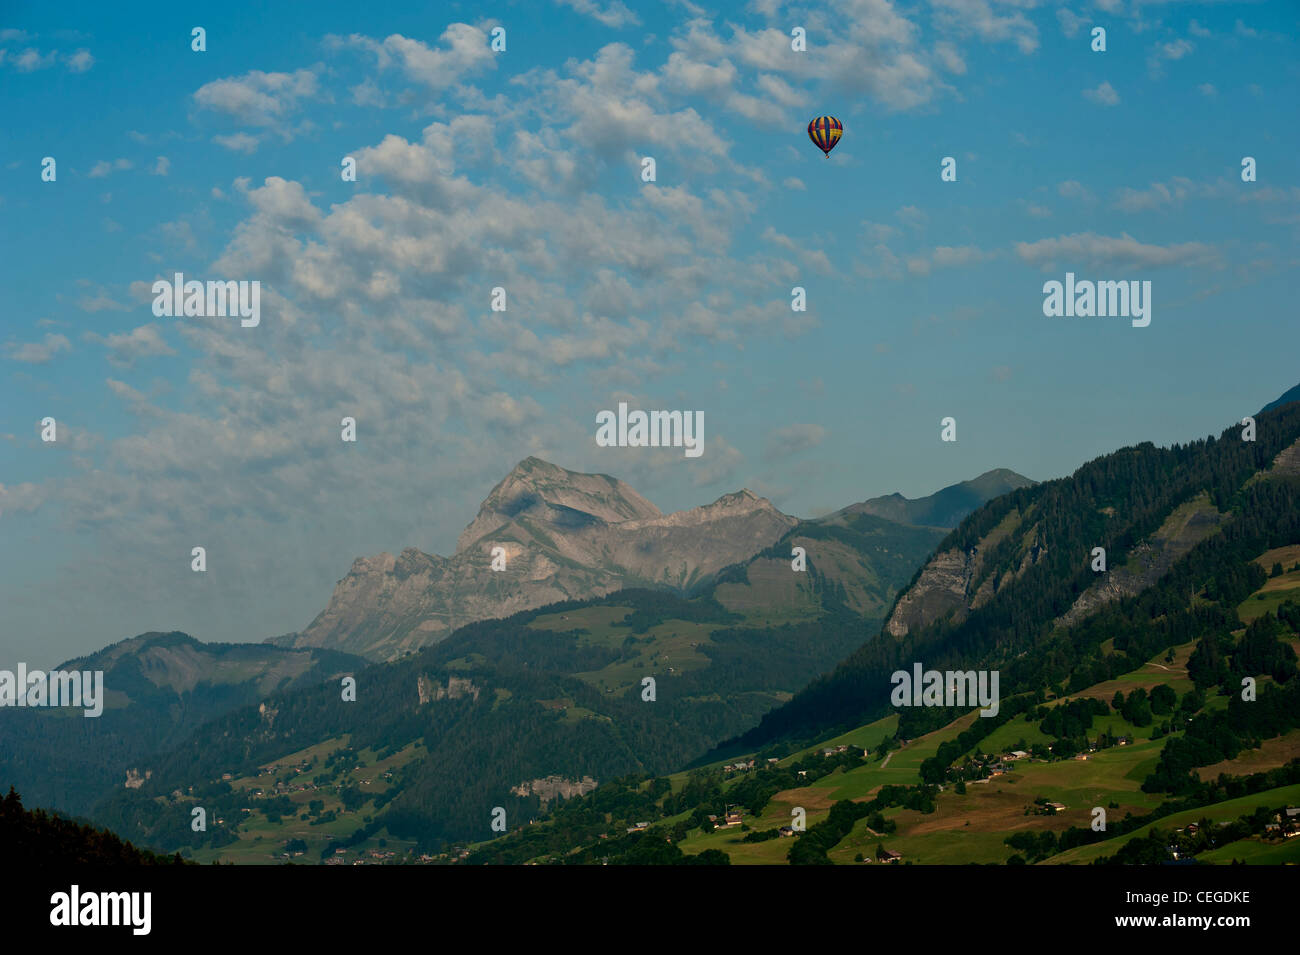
[(1156, 511), (569, 535)]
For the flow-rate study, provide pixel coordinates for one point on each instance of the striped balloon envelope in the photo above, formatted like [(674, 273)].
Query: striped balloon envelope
[(825, 132)]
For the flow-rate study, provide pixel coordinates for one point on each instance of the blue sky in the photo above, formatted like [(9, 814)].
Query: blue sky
[(521, 169)]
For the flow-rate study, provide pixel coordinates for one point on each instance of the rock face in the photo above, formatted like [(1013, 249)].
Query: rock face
[(1288, 461), (552, 787), (943, 587), (456, 687), (1151, 559), (957, 582), (563, 535)]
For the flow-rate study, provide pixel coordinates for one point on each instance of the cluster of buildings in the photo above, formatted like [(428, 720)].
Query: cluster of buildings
[(731, 819), (1285, 824)]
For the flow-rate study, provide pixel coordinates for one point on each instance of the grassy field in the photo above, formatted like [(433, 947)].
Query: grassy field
[(601, 621), (262, 841), (1276, 590), (1154, 672), (867, 736), (667, 648), (1255, 851), (1219, 812), (1270, 755), (971, 827)]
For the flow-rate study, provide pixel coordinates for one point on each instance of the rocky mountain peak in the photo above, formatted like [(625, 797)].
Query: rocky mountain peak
[(543, 493)]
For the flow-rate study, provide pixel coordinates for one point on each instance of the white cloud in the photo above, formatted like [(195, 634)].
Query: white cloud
[(125, 347), (613, 110), (38, 353), (614, 14), (792, 439), (945, 257), (950, 59), (463, 50), (1103, 95), (264, 100), (29, 60), (1070, 23), (1164, 52), (97, 299), (21, 497), (162, 166), (238, 142), (978, 16), (1123, 251), (1073, 189), (79, 62), (104, 167), (1157, 194)]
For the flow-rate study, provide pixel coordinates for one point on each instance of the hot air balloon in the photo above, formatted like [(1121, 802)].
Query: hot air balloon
[(825, 132)]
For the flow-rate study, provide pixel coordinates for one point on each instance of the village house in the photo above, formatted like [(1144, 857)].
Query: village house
[(891, 856)]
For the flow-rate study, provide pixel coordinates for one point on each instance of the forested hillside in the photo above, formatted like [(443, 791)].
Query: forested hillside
[(1114, 502)]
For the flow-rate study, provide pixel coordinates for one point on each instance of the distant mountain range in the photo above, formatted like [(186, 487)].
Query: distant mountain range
[(570, 536), (567, 537), (738, 612), (1286, 399), (944, 508)]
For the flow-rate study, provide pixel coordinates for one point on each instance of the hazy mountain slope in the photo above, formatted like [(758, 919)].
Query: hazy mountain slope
[(511, 712), (1287, 398), (35, 839), (1006, 579), (967, 822), (158, 689), (565, 535), (944, 508), (863, 555), (499, 709), (857, 561)]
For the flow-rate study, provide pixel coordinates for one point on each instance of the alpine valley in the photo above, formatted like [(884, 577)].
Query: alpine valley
[(540, 663), (672, 689)]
